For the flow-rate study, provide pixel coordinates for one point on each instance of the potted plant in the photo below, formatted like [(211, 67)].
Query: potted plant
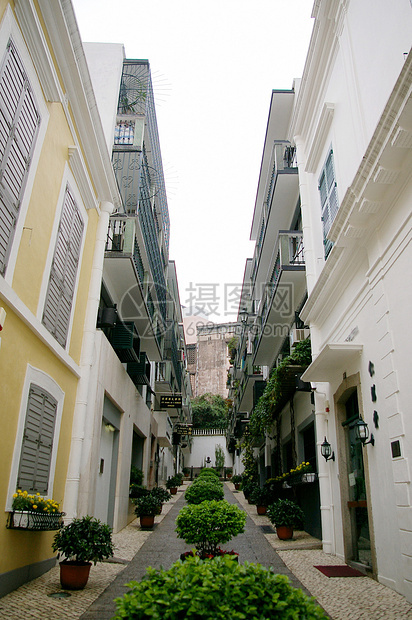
[(261, 497), (81, 542), (172, 484), (186, 471), (209, 524), (217, 589), (285, 515), (237, 479), (34, 512), (146, 508), (161, 495)]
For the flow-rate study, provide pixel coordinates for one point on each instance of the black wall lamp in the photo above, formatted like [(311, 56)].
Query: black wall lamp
[(362, 433), (326, 451)]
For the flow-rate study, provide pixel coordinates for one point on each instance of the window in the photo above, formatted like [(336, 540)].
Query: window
[(328, 198), (60, 292), (36, 451), (19, 125)]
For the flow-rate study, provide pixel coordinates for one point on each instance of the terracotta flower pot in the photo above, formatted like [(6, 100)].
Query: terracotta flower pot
[(74, 575), (147, 521), (261, 510), (173, 491), (237, 486), (284, 532)]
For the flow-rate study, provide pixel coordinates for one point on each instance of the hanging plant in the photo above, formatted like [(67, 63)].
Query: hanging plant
[(263, 414)]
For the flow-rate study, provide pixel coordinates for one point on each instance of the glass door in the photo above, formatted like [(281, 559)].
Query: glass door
[(357, 504)]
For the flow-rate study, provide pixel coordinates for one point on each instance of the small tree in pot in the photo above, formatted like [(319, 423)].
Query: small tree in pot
[(209, 524), (81, 542), (172, 484), (285, 515), (161, 495), (146, 508)]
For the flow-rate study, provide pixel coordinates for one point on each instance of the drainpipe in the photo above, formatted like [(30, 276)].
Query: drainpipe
[(325, 482), (71, 496)]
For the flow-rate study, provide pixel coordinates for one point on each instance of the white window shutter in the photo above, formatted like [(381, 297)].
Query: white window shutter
[(58, 305)]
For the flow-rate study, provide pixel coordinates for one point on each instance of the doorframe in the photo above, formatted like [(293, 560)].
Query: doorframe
[(348, 386)]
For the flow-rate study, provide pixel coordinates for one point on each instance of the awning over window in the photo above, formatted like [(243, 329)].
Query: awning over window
[(332, 358)]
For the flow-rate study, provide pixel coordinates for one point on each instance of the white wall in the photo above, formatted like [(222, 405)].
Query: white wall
[(110, 379), (204, 446), (105, 62)]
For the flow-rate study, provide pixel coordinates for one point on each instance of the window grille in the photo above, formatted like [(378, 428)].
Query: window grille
[(57, 309), (19, 125), (37, 444)]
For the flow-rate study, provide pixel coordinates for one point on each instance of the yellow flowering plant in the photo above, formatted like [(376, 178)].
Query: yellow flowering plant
[(303, 468), (34, 503)]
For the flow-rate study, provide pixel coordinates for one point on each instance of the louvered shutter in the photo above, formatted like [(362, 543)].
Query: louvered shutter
[(57, 309), (19, 125), (35, 459), (328, 199)]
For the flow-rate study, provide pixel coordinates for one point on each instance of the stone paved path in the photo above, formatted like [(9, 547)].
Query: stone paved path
[(163, 548)]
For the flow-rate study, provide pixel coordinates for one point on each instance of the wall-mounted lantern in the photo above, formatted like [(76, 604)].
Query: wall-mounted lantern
[(362, 433), (326, 451)]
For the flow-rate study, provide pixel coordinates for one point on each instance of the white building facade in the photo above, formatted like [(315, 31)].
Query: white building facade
[(352, 127)]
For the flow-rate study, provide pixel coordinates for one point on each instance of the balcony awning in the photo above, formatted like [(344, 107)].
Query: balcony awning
[(333, 358)]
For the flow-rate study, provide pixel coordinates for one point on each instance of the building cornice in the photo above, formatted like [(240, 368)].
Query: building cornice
[(67, 46)]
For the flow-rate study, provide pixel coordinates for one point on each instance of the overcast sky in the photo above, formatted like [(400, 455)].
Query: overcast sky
[(214, 65)]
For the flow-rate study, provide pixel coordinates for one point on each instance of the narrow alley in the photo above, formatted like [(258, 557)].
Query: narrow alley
[(342, 598)]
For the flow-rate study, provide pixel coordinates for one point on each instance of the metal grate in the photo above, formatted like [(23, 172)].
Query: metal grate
[(267, 529)]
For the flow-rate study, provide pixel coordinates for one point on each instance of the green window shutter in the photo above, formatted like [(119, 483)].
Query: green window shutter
[(57, 309), (36, 451), (19, 125)]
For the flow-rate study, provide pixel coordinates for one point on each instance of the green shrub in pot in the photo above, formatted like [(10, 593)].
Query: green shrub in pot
[(84, 540), (215, 589), (81, 542), (209, 524), (173, 482), (147, 506), (203, 491), (160, 494), (286, 512)]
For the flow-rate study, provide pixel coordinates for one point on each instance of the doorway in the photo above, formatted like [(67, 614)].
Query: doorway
[(354, 479), (357, 502)]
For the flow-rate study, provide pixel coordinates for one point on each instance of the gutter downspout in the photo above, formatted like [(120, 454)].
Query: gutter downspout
[(71, 496)]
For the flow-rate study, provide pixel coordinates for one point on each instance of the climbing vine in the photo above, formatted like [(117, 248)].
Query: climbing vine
[(263, 414)]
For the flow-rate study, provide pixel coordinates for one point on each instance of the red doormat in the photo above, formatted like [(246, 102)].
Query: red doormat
[(339, 570)]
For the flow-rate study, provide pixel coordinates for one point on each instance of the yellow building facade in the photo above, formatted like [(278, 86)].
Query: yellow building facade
[(57, 190)]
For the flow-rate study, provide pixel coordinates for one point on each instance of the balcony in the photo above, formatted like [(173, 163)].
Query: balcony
[(283, 291), (251, 375), (164, 379), (128, 280), (279, 196), (164, 429)]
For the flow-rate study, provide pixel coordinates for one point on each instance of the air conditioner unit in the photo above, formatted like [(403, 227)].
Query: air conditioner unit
[(298, 335)]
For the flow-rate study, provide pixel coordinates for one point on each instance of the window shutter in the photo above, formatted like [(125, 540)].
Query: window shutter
[(19, 125), (328, 198), (57, 310), (34, 466)]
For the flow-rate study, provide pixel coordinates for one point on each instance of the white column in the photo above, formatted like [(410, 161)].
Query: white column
[(77, 456), (325, 469)]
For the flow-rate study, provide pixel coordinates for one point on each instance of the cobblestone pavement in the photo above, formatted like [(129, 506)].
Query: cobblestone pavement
[(342, 598)]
